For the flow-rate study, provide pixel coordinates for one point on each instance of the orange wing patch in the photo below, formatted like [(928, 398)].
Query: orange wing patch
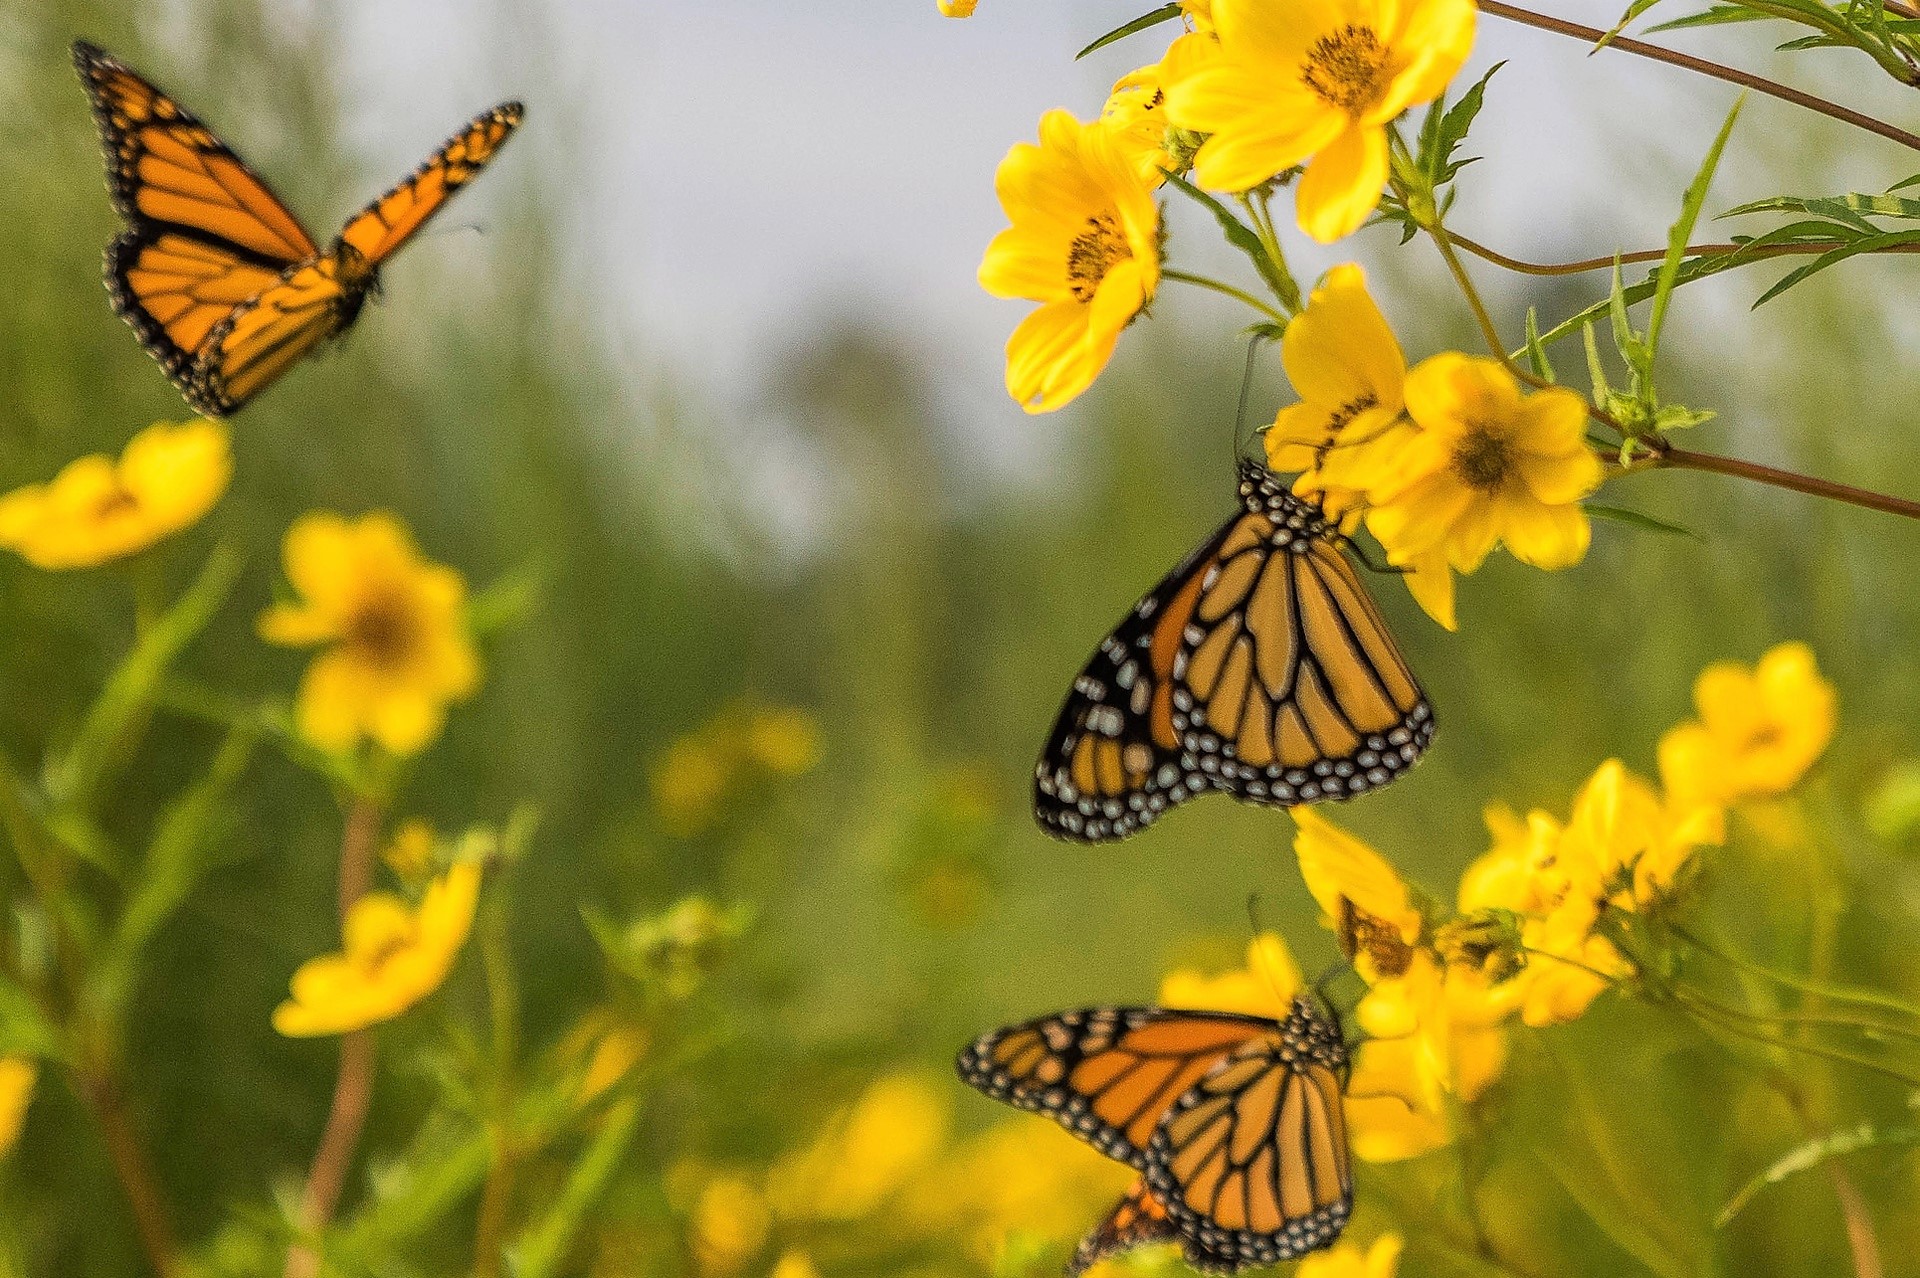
[(386, 224)]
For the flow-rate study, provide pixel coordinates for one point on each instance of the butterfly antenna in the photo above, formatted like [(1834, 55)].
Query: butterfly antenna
[(1246, 389)]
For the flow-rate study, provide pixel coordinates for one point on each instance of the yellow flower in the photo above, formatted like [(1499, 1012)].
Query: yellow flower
[(1084, 244), (893, 1130), (17, 1078), (784, 741), (730, 1224), (794, 1263), (97, 510), (1519, 872), (1758, 732), (1366, 901), (1486, 466), (957, 8), (1382, 1260), (410, 854), (393, 957), (1198, 13), (1264, 987), (1317, 81), (618, 1049), (395, 624), (1136, 116), (1019, 1177)]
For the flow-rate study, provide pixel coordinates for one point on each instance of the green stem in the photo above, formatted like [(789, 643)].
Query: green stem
[(1805, 985), (1262, 215), (1202, 281), (503, 997)]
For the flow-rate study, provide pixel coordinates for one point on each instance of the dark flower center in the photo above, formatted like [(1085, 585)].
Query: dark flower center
[(1346, 68), (384, 632), (1093, 253), (1483, 459)]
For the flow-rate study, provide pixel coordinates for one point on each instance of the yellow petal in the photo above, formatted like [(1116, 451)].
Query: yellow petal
[(1342, 184)]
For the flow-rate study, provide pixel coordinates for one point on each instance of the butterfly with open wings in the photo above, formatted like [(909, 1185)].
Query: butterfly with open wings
[(222, 284)]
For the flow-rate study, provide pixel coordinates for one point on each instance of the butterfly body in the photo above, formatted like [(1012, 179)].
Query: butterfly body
[(221, 283), (1259, 667), (1234, 1123)]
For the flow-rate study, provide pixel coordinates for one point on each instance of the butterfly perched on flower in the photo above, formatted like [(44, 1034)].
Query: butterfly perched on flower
[(222, 284), (1234, 1123), (1260, 666)]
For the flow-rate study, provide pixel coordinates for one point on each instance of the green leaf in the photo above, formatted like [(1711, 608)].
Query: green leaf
[(1444, 128), (1596, 368), (1865, 244), (1145, 22), (1716, 16), (106, 736), (1536, 353), (545, 1248), (1812, 1154), (1682, 231), (1634, 10), (1852, 208), (24, 1031), (1635, 519), (1238, 233), (1893, 809), (508, 600)]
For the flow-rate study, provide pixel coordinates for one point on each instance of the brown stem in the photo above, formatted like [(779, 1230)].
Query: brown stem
[(1686, 460), (135, 1173), (1593, 35), (353, 1085), (1581, 267), (1860, 1238)]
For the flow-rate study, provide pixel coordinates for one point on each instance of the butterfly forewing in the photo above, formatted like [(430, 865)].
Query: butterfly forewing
[(387, 223), (1260, 666)]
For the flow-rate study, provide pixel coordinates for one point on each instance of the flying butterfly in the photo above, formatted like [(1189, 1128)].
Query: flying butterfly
[(1260, 666), (222, 284), (1234, 1123)]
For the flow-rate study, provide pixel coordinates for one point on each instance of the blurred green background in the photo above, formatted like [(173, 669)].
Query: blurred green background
[(929, 618)]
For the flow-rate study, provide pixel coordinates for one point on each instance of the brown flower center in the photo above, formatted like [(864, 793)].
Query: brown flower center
[(1093, 253), (384, 632), (115, 501), (1483, 459), (1371, 935), (1347, 69)]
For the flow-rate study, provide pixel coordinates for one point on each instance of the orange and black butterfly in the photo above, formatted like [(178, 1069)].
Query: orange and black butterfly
[(222, 284), (1234, 1123), (1260, 667)]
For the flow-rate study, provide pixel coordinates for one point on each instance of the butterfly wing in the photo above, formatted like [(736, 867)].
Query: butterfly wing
[(1137, 1219), (1107, 1075), (1251, 1165), (384, 225), (204, 233), (1260, 666)]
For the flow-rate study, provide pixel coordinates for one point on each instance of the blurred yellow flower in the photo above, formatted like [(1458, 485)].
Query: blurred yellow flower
[(784, 740), (894, 1129), (688, 783), (1020, 1178), (1758, 732), (1136, 116), (1346, 1260), (618, 1049), (17, 1078), (1365, 900), (1264, 987), (1347, 368), (398, 650), (393, 957), (730, 1224), (1199, 13), (97, 510), (1084, 244), (794, 1263), (1316, 82), (957, 8), (1520, 871), (410, 852), (1487, 466)]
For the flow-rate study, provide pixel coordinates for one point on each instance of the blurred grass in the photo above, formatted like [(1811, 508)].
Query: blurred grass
[(905, 900)]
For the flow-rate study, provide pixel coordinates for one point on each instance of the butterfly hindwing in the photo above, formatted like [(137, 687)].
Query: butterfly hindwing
[(1251, 1164), (1136, 1220), (1105, 1074), (1260, 666), (221, 283)]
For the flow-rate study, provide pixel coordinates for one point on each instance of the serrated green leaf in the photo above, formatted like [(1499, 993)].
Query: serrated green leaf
[(1866, 244), (1715, 16), (1812, 1154), (1635, 519), (1682, 231), (1536, 353), (1145, 22), (1596, 368), (1634, 10)]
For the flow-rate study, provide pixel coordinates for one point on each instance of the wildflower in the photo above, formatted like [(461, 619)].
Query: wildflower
[(1487, 466), (17, 1078), (1347, 369), (1382, 1260), (393, 957), (957, 8), (616, 1050), (1084, 244), (1758, 732), (1019, 1178), (1136, 117), (785, 741), (1365, 900), (1265, 987), (1316, 82), (97, 510), (730, 1224), (410, 854), (793, 1262), (398, 648), (1199, 14), (893, 1130)]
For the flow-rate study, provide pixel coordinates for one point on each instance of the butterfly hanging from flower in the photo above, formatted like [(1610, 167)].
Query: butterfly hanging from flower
[(1234, 1123), (1260, 667), (221, 283)]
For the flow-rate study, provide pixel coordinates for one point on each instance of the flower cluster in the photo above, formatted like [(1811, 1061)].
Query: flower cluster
[(694, 777), (1444, 461), (1543, 917)]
